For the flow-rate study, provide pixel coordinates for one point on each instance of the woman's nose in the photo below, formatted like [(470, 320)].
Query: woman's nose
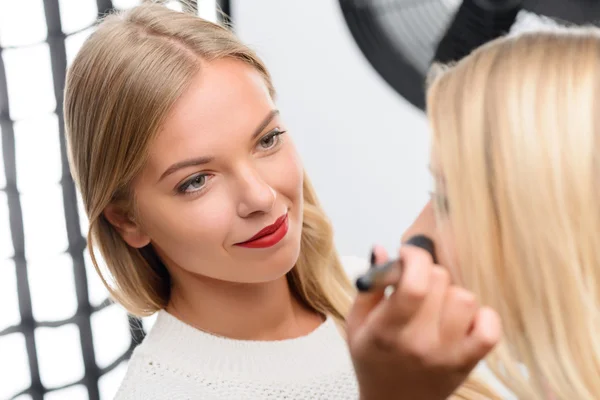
[(424, 224), (255, 195)]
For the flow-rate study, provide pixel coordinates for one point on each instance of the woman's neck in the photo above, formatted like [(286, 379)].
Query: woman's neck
[(257, 311)]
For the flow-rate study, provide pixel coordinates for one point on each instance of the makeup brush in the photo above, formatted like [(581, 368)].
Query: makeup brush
[(375, 277)]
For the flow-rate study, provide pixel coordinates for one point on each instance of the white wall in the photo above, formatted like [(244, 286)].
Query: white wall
[(364, 146)]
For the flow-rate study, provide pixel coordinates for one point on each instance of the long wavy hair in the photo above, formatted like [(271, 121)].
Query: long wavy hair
[(516, 136), (119, 90)]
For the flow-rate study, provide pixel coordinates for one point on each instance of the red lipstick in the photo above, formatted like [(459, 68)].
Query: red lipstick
[(268, 236)]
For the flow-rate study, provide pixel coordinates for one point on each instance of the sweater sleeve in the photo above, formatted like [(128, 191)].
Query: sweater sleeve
[(475, 23)]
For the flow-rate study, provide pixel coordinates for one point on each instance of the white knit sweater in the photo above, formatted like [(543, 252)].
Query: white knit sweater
[(176, 362)]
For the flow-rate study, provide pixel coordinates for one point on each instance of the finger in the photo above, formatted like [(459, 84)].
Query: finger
[(429, 315), (390, 273), (378, 255), (485, 334), (365, 302), (422, 335), (458, 314), (413, 285)]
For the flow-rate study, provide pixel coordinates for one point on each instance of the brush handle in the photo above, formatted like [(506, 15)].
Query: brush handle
[(375, 276)]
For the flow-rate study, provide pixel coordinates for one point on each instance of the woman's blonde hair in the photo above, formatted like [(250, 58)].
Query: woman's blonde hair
[(516, 137), (119, 89)]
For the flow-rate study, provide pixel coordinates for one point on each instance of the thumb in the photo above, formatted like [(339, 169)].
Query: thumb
[(367, 301)]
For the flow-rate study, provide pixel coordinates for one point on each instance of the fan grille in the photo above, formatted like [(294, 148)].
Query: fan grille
[(400, 37)]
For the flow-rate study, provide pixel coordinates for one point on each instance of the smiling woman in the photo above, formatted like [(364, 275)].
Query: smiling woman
[(199, 204), (211, 182)]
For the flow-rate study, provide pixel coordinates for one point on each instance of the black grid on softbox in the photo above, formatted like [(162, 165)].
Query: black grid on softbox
[(76, 249)]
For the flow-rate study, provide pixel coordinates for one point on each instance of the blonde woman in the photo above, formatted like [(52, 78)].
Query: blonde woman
[(516, 158), (199, 206)]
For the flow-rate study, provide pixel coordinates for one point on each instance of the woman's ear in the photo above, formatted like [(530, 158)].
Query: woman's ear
[(130, 230)]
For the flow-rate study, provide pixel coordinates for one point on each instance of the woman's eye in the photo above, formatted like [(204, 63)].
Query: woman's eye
[(267, 142), (441, 202), (270, 140), (194, 184), (443, 205)]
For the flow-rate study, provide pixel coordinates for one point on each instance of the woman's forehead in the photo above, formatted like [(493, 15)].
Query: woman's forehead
[(224, 95), (222, 108)]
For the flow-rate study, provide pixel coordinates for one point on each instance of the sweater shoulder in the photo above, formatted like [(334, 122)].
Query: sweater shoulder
[(137, 383), (150, 379)]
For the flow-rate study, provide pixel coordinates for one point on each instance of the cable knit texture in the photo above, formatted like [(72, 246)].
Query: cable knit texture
[(176, 362)]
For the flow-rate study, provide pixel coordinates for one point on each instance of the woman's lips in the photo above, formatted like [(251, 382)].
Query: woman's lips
[(268, 236)]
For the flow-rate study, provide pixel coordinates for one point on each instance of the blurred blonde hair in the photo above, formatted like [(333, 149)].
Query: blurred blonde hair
[(119, 89), (516, 137)]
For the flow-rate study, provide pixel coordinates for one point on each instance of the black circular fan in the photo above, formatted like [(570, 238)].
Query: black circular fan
[(401, 38)]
